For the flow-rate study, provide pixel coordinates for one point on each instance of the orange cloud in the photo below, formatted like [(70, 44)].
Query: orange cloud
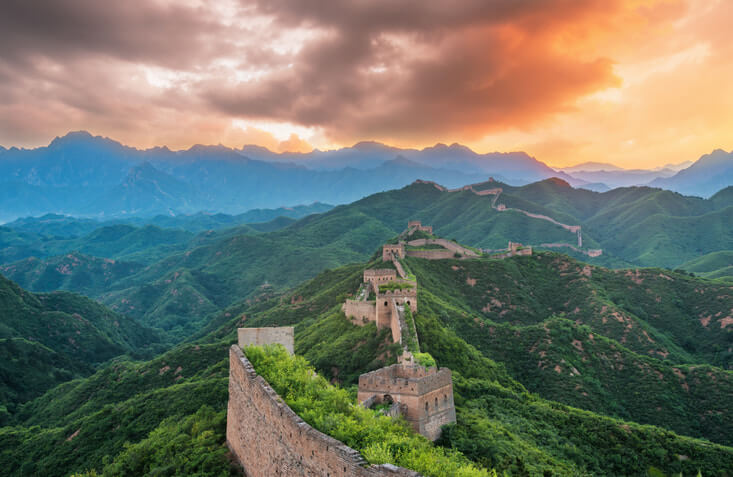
[(637, 82)]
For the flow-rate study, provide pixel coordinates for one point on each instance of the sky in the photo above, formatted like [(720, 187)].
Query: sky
[(635, 83)]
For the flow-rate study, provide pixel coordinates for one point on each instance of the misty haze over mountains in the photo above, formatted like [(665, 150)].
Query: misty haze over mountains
[(83, 175)]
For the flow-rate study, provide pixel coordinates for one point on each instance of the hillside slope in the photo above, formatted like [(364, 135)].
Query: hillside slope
[(645, 345), (499, 424), (50, 338), (74, 271), (224, 266)]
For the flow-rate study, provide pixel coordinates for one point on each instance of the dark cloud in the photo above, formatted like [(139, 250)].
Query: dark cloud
[(412, 69), (383, 69), (168, 35)]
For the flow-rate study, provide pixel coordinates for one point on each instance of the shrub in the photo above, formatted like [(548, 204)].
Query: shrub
[(332, 410), (425, 359)]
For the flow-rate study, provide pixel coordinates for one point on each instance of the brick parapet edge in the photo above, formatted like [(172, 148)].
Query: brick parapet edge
[(269, 439)]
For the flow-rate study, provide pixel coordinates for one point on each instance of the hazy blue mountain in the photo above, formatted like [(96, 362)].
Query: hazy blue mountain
[(704, 178), (55, 225), (146, 191), (595, 187), (591, 166), (514, 167), (82, 175), (621, 177), (675, 167), (77, 159), (58, 226)]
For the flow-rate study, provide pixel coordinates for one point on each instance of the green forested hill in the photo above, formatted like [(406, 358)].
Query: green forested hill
[(46, 339), (238, 264), (73, 271), (121, 242), (634, 226), (645, 345), (712, 265), (491, 333), (527, 337)]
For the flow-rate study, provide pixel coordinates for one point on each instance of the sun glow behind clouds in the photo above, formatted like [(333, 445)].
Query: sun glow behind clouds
[(638, 83)]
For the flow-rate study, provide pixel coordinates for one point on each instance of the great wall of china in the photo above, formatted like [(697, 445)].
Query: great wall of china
[(496, 192), (269, 439)]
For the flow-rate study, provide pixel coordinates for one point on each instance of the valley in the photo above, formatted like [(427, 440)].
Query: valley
[(539, 343)]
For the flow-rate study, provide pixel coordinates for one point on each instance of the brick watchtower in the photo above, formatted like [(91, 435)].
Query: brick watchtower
[(425, 395), (390, 249)]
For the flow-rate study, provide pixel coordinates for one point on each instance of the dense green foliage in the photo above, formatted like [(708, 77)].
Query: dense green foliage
[(392, 286), (333, 411), (50, 338), (189, 278), (176, 447), (424, 359), (645, 345), (712, 265), (84, 424), (499, 425), (74, 271), (518, 432), (640, 345)]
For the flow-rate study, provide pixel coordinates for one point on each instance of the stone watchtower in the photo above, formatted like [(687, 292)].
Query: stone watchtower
[(379, 275), (390, 249), (424, 394), (413, 225)]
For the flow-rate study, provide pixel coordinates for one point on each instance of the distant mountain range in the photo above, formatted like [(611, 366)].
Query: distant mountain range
[(87, 176)]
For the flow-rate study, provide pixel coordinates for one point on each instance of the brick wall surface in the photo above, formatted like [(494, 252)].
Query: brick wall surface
[(358, 310), (427, 395), (431, 254), (269, 439)]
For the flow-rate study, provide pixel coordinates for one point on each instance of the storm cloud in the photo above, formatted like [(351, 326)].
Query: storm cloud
[(403, 71)]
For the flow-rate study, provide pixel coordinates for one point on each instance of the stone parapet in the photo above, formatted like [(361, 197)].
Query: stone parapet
[(269, 439)]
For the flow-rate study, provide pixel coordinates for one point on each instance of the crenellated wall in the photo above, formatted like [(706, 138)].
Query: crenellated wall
[(496, 192), (399, 267), (269, 439), (426, 393), (375, 276)]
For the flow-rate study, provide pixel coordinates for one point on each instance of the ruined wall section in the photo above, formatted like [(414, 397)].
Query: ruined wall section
[(269, 439), (375, 276)]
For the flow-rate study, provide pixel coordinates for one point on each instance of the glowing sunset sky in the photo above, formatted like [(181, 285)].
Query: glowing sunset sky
[(636, 83)]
